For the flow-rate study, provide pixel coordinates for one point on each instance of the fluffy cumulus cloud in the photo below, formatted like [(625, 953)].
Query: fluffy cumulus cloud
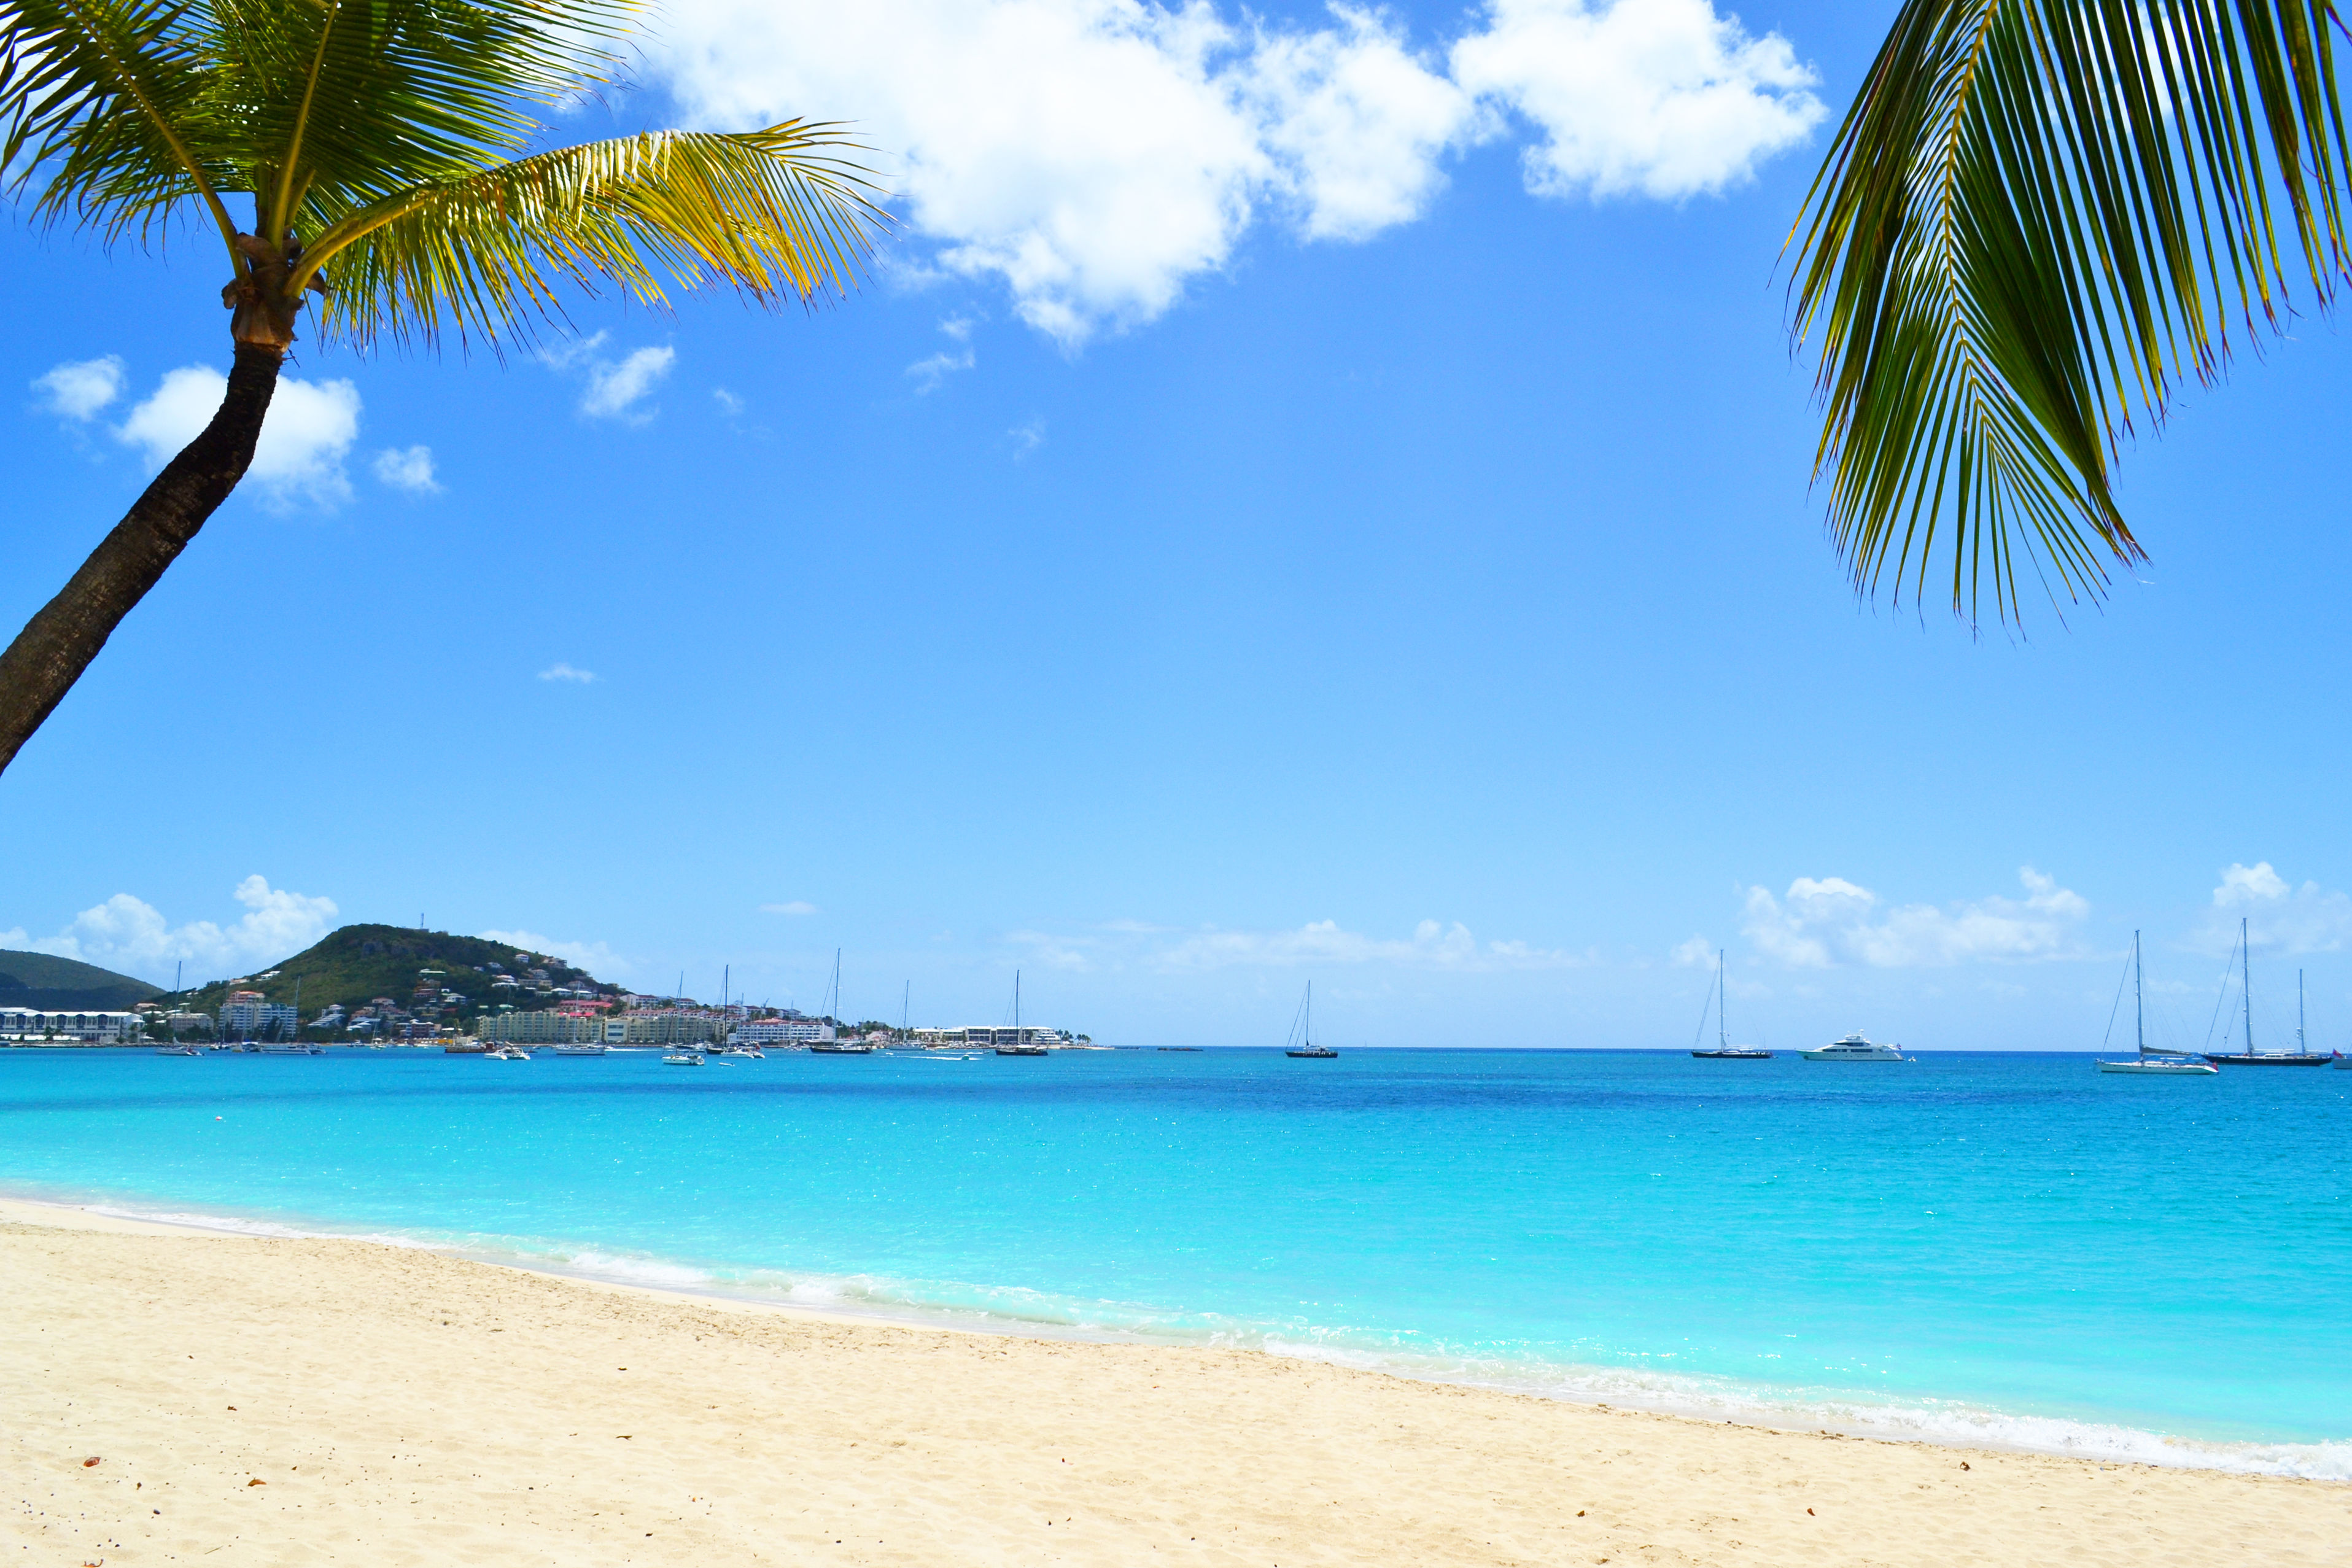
[(79, 389), (1827, 921), (2278, 914), (1663, 98), (407, 468), (1095, 154), (560, 671), (309, 431), (619, 390), (129, 935), (1433, 945)]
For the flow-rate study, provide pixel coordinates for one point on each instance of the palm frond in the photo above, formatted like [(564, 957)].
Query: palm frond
[(768, 213), (106, 99), (2037, 215)]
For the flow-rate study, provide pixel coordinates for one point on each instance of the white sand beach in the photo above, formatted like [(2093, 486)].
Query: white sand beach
[(301, 1402)]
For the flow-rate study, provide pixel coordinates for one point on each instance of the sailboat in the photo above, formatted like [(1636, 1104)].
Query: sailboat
[(1020, 1045), (1723, 1049), (838, 1048), (2250, 1058), (2152, 1062), (1303, 1030)]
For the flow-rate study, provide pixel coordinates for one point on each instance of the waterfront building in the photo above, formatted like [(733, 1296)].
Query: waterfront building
[(247, 1015), (659, 1029), (780, 1032), (92, 1028), (539, 1028)]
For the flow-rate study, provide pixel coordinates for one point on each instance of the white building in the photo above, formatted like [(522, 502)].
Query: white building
[(780, 1032), (539, 1028), (246, 1015), (22, 1024)]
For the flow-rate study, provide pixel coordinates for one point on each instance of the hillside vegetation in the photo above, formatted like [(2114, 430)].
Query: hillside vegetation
[(37, 980), (358, 963)]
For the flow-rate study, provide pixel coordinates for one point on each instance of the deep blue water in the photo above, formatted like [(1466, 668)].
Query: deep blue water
[(2006, 1247)]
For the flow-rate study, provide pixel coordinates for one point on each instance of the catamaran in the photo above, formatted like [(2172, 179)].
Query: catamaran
[(1723, 1049), (1302, 1029), (2250, 1058), (2151, 1061)]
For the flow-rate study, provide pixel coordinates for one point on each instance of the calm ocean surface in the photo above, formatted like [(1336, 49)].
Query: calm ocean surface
[(2006, 1248)]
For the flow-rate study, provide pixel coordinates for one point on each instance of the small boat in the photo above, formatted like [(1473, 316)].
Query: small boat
[(1853, 1048), (1018, 1047), (580, 1050), (465, 1048), (176, 1049), (838, 1048), (1302, 1029), (508, 1054), (293, 1048), (2250, 1058), (2343, 1061), (683, 1059), (754, 1052), (1723, 1049), (2151, 1062)]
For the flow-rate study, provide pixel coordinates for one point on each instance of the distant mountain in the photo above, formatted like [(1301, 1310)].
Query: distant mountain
[(358, 963), (37, 980)]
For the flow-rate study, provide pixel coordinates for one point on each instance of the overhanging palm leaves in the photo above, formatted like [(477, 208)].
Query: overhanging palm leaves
[(383, 146), (2037, 214), (383, 153)]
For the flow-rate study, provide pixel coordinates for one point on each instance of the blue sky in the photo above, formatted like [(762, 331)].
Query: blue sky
[(1180, 573)]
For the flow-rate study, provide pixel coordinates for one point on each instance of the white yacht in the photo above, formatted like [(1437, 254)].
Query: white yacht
[(2153, 1061), (590, 1049), (683, 1059), (1853, 1048)]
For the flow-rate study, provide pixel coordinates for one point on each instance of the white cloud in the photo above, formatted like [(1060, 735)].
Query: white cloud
[(1136, 945), (563, 355), (2293, 919), (1695, 951), (929, 373), (1354, 123), (80, 388), (615, 391), (310, 428), (407, 468), (1093, 155), (594, 957), (1027, 438), (560, 671), (1828, 921), (729, 404), (797, 906), (1663, 98), (127, 933)]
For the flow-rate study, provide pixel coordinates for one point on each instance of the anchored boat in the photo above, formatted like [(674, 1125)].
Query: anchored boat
[(2152, 1062), (1723, 1049)]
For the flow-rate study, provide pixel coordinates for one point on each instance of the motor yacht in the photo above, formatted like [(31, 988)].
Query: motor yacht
[(683, 1059), (1853, 1048)]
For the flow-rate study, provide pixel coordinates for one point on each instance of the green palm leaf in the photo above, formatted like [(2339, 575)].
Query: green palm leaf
[(768, 211), (2037, 215)]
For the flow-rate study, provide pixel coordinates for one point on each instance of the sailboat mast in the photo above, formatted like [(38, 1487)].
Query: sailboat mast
[(1309, 1040), (1722, 1026), (2300, 1045), (2139, 1001), (1016, 1006), (2246, 956)]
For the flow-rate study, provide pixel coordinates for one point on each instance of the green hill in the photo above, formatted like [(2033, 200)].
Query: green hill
[(37, 980), (358, 963)]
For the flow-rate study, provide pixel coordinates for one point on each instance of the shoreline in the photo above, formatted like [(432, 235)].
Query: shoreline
[(1965, 1429), (303, 1399)]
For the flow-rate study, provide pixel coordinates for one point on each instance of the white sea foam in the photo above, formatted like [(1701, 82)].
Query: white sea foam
[(1019, 1310)]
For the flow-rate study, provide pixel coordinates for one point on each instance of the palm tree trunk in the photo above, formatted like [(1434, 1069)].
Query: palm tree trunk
[(56, 644)]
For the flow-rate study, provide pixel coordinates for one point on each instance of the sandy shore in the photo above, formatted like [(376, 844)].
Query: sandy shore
[(304, 1402)]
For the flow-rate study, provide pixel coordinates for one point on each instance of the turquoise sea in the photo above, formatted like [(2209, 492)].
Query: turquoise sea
[(1996, 1248)]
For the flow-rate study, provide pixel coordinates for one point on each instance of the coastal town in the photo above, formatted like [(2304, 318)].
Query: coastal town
[(466, 994)]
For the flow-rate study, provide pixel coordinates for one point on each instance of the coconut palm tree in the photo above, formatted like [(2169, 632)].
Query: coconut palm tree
[(382, 157), (2039, 216)]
